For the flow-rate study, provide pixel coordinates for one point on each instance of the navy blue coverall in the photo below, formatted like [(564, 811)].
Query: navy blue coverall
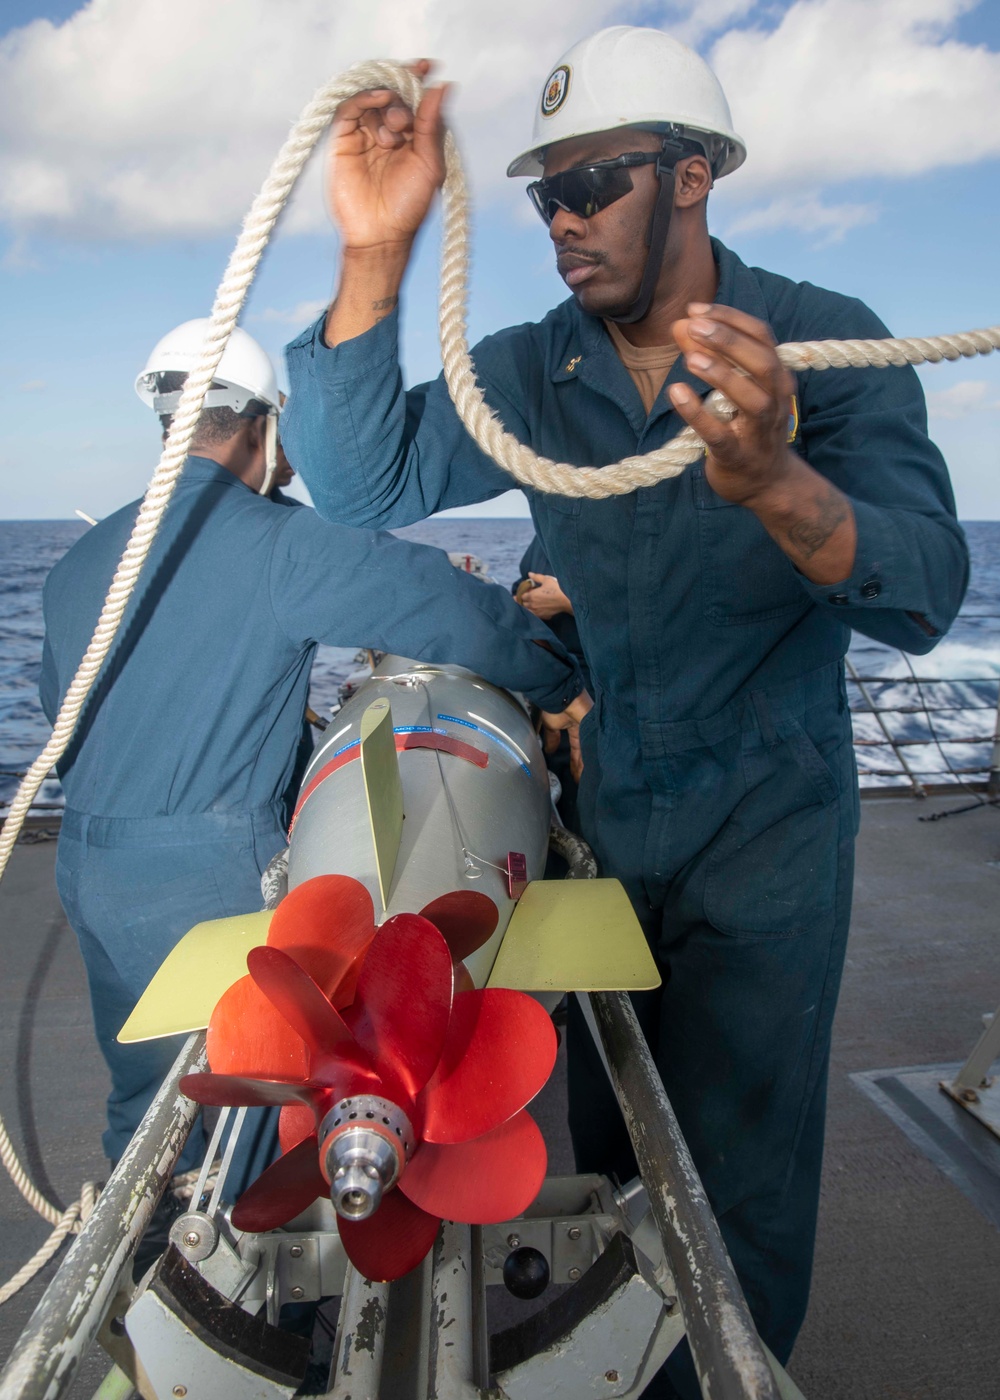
[(177, 776), (720, 783)]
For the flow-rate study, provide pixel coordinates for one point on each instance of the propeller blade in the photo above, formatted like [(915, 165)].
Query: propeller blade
[(466, 918), (392, 1241), (492, 1178), (324, 924), (499, 1051), (247, 1036), (463, 979), (297, 997), (284, 1190), (240, 1091), (400, 1015), (295, 1122)]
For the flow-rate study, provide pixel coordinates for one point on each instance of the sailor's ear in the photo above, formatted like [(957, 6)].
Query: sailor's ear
[(693, 181)]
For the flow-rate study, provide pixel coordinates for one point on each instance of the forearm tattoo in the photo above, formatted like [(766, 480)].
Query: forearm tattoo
[(384, 305), (809, 534)]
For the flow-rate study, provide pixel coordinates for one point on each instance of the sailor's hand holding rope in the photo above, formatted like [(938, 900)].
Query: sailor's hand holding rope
[(749, 460), (387, 165)]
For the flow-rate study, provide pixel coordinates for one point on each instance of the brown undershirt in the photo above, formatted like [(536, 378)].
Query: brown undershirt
[(648, 365)]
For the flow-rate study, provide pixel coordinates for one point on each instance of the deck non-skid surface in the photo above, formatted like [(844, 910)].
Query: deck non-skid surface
[(905, 1302), (905, 1305)]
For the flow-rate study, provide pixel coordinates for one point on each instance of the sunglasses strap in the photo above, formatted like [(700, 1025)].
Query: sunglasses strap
[(656, 235)]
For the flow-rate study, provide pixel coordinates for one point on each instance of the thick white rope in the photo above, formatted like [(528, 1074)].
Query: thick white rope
[(523, 465)]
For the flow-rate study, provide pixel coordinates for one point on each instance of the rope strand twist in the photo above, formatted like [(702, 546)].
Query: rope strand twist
[(525, 466)]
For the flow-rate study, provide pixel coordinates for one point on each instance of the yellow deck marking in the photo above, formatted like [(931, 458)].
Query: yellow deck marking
[(203, 965), (574, 936)]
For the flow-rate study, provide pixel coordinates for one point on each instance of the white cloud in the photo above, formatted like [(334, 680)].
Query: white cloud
[(807, 213), (961, 399), (32, 386), (301, 315), (159, 118), (151, 118), (848, 89), (693, 21)]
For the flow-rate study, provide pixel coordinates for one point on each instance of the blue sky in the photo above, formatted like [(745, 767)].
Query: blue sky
[(129, 155)]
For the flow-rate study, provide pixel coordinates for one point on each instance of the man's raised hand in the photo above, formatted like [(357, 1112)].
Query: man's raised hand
[(387, 163)]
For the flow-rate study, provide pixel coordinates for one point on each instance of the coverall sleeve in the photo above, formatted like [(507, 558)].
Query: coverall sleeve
[(372, 453), (48, 682), (351, 587), (866, 430), (49, 689)]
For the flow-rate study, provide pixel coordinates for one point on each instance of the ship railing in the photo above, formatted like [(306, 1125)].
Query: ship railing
[(928, 726), (891, 697)]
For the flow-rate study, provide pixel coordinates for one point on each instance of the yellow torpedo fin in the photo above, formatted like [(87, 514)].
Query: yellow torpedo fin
[(203, 965), (574, 936), (383, 790)]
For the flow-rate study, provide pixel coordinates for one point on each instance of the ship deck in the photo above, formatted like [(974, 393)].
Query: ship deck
[(904, 1305)]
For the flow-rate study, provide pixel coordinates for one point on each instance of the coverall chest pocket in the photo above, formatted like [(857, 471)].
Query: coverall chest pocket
[(744, 575), (558, 521)]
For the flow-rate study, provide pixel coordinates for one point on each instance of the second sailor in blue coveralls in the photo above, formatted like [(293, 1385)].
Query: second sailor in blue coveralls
[(714, 608), (177, 779)]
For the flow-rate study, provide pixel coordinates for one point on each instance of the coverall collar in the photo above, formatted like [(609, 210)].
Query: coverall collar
[(204, 469), (588, 353)]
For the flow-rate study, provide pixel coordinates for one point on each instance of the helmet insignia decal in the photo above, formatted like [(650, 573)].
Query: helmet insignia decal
[(555, 90)]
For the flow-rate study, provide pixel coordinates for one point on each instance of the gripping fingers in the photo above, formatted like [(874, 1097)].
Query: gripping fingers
[(740, 340), (739, 320), (746, 393), (716, 435), (353, 109)]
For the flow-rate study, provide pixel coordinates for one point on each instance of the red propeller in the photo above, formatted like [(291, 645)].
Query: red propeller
[(408, 1081)]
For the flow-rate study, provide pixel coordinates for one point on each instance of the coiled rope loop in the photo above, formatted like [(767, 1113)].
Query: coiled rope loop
[(528, 469)]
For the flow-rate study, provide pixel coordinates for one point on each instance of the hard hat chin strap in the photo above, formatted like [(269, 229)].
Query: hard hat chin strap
[(656, 235), (270, 452)]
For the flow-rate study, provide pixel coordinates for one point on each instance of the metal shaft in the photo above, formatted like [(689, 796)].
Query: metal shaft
[(728, 1355), (360, 1345), (45, 1357)]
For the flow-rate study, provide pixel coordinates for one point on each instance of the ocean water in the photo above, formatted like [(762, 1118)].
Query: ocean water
[(942, 706)]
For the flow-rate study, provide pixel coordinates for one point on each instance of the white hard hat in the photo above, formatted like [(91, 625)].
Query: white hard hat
[(245, 371), (627, 76)]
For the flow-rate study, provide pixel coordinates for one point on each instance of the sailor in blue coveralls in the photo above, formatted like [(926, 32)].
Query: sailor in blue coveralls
[(714, 608), (177, 779)]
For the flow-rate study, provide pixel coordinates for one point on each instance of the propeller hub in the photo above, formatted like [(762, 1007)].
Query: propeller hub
[(366, 1142)]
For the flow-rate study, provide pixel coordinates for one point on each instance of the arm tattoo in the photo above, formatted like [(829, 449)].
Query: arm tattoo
[(384, 305), (809, 534)]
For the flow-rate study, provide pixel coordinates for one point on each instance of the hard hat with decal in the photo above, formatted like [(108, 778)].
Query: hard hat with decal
[(629, 76), (245, 371)]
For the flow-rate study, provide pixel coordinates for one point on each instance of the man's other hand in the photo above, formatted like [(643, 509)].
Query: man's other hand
[(736, 353), (570, 719), (546, 599), (749, 459)]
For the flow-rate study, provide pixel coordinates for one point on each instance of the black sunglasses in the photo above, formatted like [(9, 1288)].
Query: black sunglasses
[(587, 189)]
